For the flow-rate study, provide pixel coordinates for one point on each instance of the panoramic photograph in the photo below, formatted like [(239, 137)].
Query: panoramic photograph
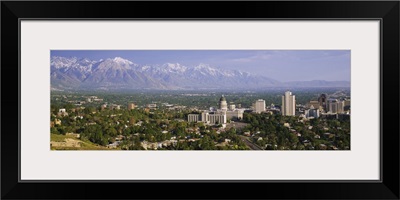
[(272, 100)]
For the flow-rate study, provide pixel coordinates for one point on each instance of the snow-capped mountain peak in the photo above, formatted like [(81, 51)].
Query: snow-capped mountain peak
[(83, 65), (173, 67), (122, 73), (206, 69), (62, 62), (120, 60), (202, 66)]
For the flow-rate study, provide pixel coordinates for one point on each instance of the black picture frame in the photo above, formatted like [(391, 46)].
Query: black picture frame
[(386, 11)]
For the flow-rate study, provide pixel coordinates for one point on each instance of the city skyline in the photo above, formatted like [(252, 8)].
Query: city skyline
[(304, 65), (238, 121)]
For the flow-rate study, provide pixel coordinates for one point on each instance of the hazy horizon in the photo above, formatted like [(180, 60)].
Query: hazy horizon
[(281, 65)]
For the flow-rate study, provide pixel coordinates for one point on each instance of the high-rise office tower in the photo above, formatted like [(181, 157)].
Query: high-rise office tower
[(323, 101), (259, 106), (335, 106), (288, 104)]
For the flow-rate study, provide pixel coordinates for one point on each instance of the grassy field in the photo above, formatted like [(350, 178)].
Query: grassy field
[(59, 138), (84, 145)]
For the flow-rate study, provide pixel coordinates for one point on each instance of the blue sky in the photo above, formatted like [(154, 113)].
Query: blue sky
[(282, 65)]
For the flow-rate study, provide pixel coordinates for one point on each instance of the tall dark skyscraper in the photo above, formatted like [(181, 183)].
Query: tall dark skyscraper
[(322, 100)]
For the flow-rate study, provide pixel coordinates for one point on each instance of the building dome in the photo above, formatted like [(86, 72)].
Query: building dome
[(222, 103)]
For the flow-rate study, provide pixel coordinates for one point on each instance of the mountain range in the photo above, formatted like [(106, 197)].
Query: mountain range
[(117, 73)]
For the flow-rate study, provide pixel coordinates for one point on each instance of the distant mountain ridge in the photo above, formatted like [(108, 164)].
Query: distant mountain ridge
[(318, 83), (118, 73)]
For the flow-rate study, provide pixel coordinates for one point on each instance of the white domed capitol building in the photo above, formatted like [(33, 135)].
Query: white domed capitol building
[(220, 116)]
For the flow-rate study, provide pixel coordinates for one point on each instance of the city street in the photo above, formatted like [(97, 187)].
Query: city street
[(251, 145)]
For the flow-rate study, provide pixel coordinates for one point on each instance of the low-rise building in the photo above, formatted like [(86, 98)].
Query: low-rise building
[(131, 106), (314, 104), (62, 112), (151, 105), (235, 114), (312, 112), (286, 125), (114, 107), (194, 117), (57, 121)]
